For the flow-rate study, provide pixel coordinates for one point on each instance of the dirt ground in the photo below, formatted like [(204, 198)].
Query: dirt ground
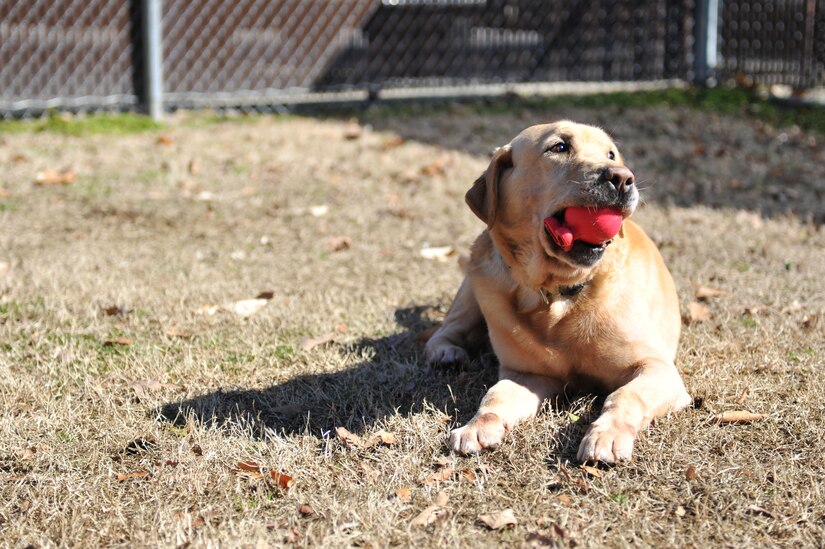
[(145, 402)]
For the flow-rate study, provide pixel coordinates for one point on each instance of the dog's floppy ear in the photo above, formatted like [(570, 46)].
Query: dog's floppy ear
[(483, 195)]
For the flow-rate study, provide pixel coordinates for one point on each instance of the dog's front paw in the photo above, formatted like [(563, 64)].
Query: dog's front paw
[(607, 442), (446, 354), (482, 433)]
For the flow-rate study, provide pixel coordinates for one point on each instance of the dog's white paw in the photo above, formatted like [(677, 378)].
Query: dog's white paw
[(481, 433), (446, 354), (607, 442)]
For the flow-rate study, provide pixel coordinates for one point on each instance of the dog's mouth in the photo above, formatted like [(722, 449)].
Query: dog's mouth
[(581, 235)]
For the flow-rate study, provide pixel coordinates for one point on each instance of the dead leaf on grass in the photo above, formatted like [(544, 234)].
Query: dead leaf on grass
[(174, 331), (249, 466), (441, 475), (680, 511), (306, 509), (439, 253), (437, 166), (19, 158), (743, 396), (703, 293), (5, 267), (809, 322), (392, 142), (4, 193), (53, 177), (499, 520), (592, 471), (353, 130), (138, 475), (738, 417), (245, 308), (115, 310), (337, 243), (349, 439), (404, 494), (197, 450), (141, 445), (120, 340), (164, 140), (431, 515), (696, 312), (283, 480), (690, 473), (469, 474), (564, 499), (312, 342), (381, 437)]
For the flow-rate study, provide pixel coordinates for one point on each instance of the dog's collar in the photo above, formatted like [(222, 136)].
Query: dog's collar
[(564, 291)]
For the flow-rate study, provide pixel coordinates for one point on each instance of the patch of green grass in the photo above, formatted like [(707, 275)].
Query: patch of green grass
[(731, 101), (106, 124), (621, 499), (8, 205), (748, 322)]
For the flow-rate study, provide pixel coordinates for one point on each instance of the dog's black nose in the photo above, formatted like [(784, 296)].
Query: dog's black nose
[(619, 176)]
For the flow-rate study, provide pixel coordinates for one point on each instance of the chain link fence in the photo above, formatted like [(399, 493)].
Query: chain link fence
[(89, 54)]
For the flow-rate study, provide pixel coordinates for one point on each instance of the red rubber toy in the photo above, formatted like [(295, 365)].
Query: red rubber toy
[(591, 225)]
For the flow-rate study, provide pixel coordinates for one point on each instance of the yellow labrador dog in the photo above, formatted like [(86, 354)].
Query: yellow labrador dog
[(599, 317)]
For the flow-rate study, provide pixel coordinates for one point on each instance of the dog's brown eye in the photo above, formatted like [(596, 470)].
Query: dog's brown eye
[(611, 155), (559, 148)]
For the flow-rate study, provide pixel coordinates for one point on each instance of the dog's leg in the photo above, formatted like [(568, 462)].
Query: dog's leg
[(447, 345), (513, 399), (654, 390)]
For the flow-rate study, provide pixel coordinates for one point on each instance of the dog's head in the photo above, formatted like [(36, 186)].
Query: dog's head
[(539, 174)]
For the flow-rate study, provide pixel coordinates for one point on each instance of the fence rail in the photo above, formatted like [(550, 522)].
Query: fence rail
[(98, 54)]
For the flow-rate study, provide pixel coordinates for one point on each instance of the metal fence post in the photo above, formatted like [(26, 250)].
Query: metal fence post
[(153, 57), (705, 40)]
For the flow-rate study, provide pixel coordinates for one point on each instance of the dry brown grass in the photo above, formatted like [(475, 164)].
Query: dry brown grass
[(138, 229)]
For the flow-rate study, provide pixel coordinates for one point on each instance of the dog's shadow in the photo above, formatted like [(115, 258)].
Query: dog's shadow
[(393, 379)]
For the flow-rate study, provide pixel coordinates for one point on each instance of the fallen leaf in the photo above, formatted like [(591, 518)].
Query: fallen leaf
[(690, 473), (564, 499), (431, 515), (353, 130), (312, 342), (246, 307), (120, 340), (337, 243), (381, 437), (392, 142), (53, 177), (143, 387), (283, 480), (250, 466), (265, 295), (437, 166), (4, 193), (696, 312), (349, 439), (439, 476), (499, 520), (306, 510), (197, 450), (808, 323), (439, 253), (469, 474), (5, 267), (174, 331), (134, 475), (592, 471), (164, 140), (116, 310), (739, 417), (19, 158), (743, 396), (404, 494), (680, 511), (703, 293)]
